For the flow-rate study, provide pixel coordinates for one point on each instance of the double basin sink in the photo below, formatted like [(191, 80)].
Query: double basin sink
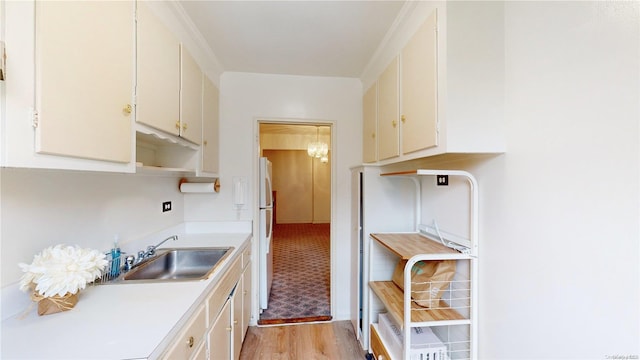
[(177, 264)]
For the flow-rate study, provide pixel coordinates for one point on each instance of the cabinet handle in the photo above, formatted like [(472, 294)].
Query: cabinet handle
[(184, 126), (235, 322), (127, 109), (245, 292), (190, 341), (229, 329), (205, 143), (403, 118), (178, 124), (394, 123), (373, 135)]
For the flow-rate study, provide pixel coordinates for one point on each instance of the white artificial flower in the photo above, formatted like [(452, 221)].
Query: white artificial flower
[(60, 269)]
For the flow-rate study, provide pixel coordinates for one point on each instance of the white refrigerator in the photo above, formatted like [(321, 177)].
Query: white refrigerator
[(265, 224)]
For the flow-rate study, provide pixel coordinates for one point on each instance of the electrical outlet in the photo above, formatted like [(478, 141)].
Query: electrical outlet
[(442, 180), (166, 206)]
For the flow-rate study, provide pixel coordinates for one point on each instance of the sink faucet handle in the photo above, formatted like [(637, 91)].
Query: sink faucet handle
[(128, 262)]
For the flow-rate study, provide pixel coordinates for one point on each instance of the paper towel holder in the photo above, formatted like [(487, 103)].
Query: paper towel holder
[(215, 186)]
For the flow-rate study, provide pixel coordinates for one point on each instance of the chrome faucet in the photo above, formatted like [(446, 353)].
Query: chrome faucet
[(151, 249)]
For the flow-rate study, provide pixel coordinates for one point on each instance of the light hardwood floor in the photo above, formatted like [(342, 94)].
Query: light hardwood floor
[(330, 340)]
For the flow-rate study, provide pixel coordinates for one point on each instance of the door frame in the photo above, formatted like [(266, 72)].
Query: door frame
[(332, 124)]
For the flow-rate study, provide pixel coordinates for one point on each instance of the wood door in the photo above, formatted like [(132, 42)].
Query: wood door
[(388, 128), (190, 97), (420, 88), (84, 79), (210, 125), (158, 69), (369, 122)]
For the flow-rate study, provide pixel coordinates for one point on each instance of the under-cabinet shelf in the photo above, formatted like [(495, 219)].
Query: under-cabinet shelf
[(393, 299)]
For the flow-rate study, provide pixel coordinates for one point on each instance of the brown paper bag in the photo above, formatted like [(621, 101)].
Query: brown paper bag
[(430, 279), (55, 304)]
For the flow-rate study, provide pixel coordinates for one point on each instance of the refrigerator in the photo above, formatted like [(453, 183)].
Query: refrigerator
[(266, 227)]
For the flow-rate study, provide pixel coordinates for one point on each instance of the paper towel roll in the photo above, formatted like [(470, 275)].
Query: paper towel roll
[(197, 187)]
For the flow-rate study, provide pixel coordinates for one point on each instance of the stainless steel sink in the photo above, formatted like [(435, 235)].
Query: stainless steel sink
[(179, 264)]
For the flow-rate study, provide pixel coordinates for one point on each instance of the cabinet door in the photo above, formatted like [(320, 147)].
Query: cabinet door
[(190, 98), (220, 335), (158, 69), (419, 89), (210, 121), (388, 112), (246, 300), (369, 120), (84, 75), (237, 320)]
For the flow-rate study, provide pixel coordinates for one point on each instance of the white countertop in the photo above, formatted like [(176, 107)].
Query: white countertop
[(121, 321)]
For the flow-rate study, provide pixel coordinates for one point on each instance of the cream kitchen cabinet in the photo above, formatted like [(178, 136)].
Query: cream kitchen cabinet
[(246, 298), (169, 84), (450, 84), (169, 94), (189, 343), (217, 329), (369, 122), (419, 92), (158, 70), (388, 102), (84, 79), (407, 95), (210, 127), (219, 336), (190, 98)]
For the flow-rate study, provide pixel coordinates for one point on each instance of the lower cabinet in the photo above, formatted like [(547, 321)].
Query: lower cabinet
[(236, 325), (220, 335), (217, 329)]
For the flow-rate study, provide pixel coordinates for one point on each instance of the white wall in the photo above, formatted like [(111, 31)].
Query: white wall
[(560, 254), (245, 98), (41, 208)]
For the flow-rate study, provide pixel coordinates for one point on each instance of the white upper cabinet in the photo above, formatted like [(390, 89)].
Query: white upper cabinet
[(84, 79), (169, 87), (210, 121), (190, 98), (419, 89), (388, 111), (449, 92), (158, 69), (369, 122)]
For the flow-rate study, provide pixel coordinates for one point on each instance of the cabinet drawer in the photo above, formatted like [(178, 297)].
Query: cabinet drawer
[(221, 293), (378, 349), (186, 344)]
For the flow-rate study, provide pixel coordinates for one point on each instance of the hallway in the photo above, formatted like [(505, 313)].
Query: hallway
[(301, 276)]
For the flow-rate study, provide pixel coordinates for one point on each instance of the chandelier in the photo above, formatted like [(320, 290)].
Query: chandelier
[(318, 149)]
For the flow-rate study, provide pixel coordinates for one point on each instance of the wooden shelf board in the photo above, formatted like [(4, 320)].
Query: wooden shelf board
[(407, 245), (393, 299)]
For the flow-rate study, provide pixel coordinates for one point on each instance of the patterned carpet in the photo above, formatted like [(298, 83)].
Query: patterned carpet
[(301, 268)]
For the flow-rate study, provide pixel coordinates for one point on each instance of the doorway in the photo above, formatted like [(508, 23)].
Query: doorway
[(302, 221)]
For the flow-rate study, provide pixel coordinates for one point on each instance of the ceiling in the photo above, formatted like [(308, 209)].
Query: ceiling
[(314, 38)]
